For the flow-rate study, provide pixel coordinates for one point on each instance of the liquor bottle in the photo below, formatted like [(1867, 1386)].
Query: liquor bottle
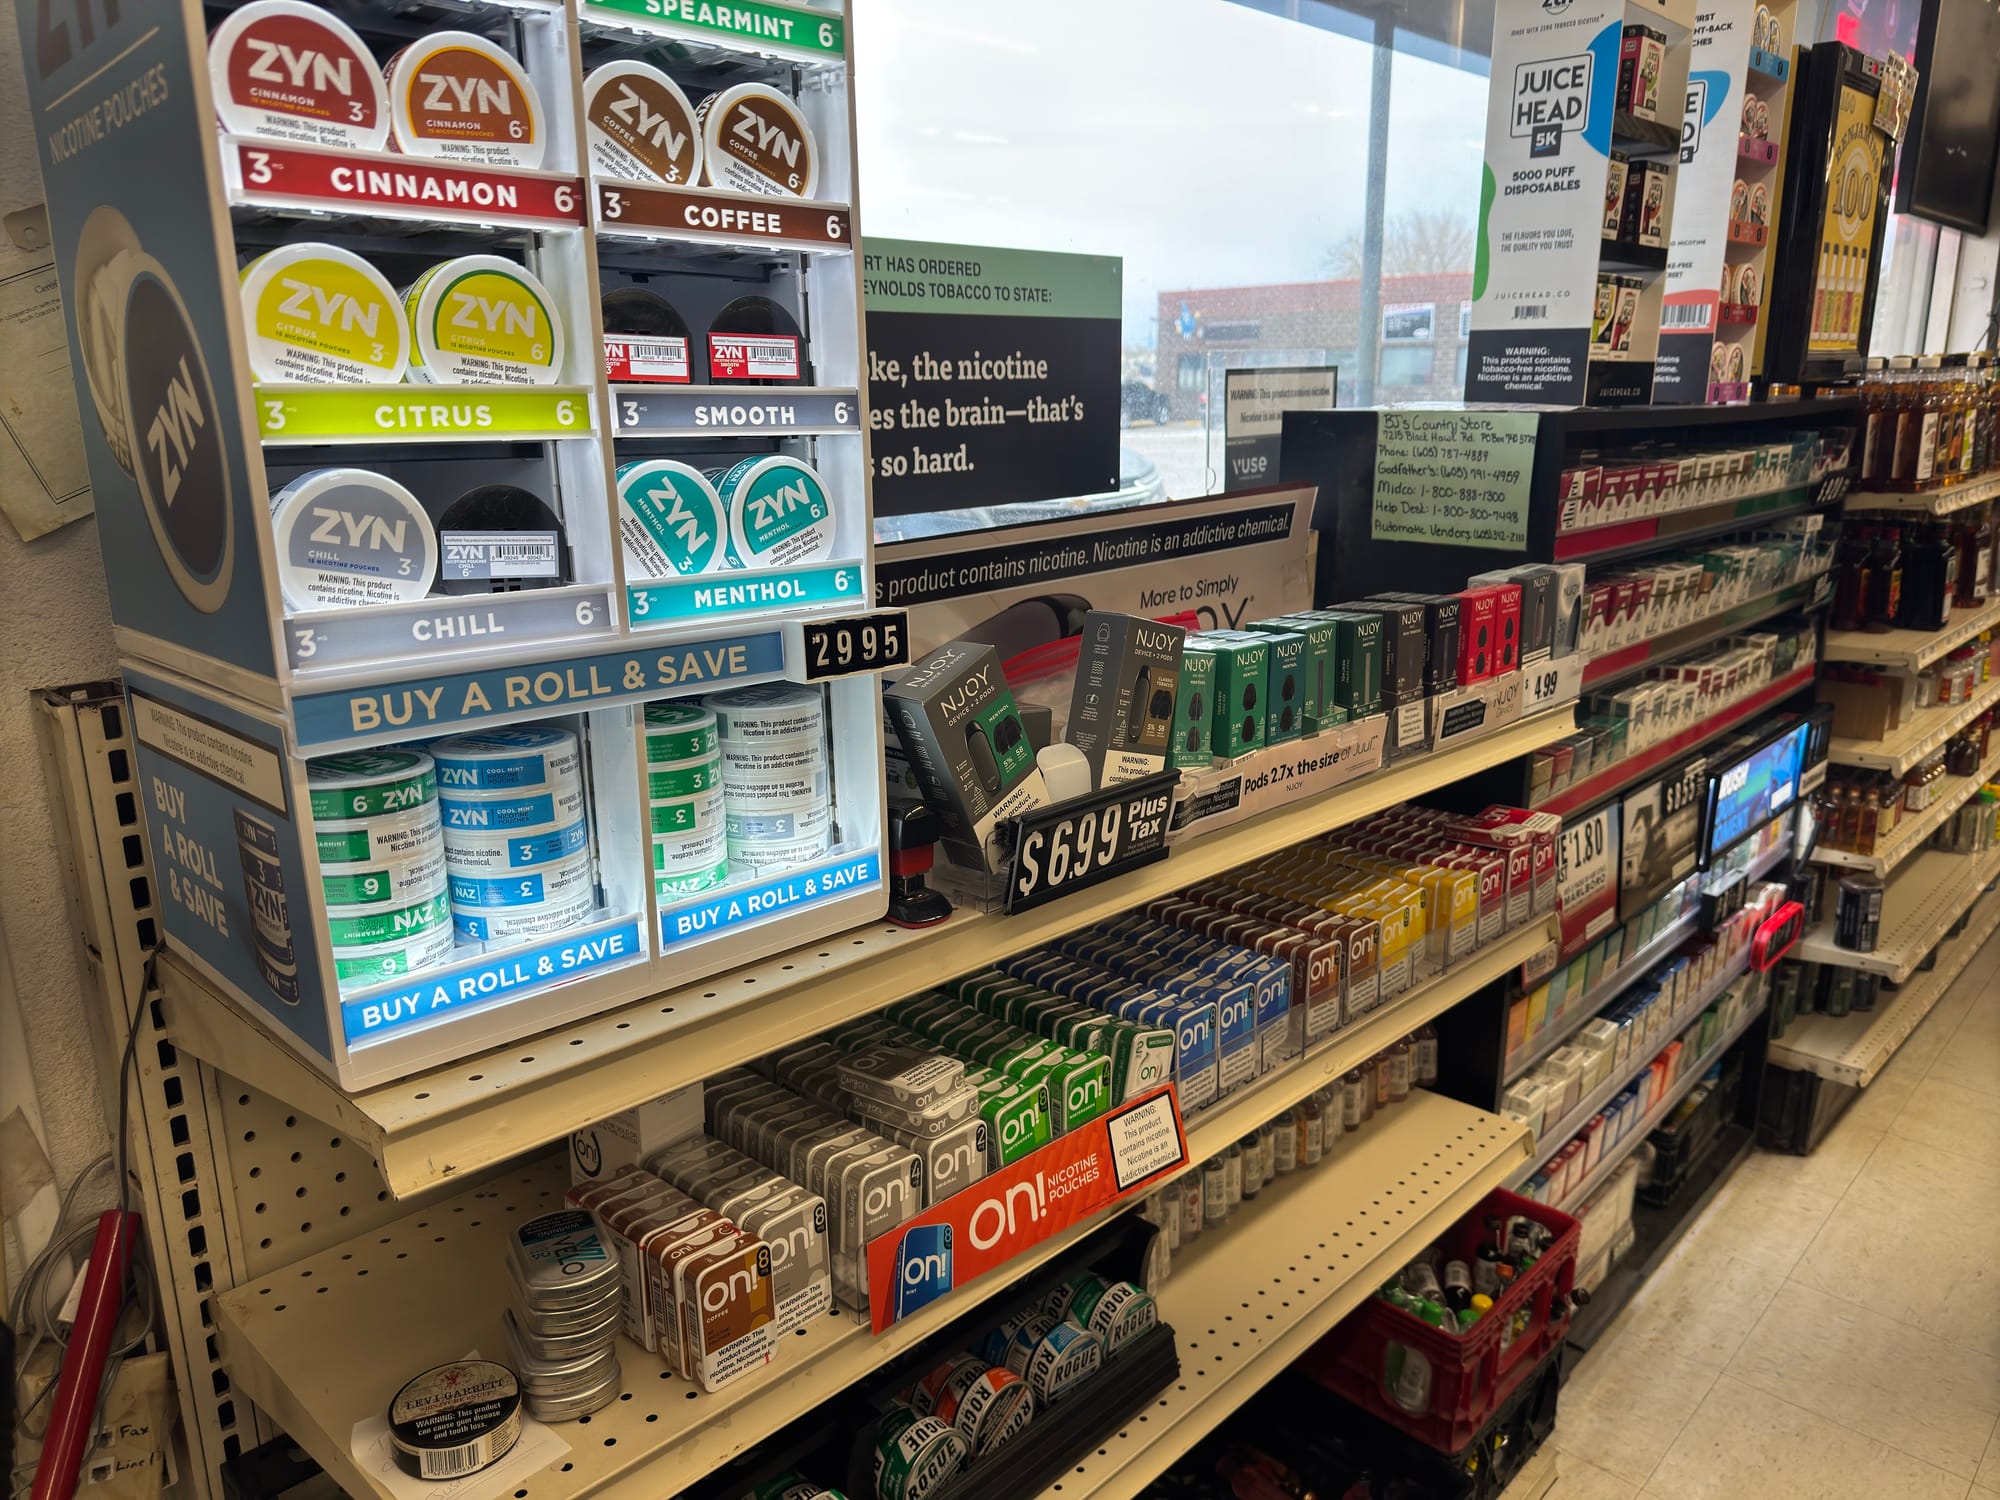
[(1973, 537), (1874, 422), (1907, 407), (1851, 578), (1885, 590)]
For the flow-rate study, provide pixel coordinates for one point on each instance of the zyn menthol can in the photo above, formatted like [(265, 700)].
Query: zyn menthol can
[(517, 758)]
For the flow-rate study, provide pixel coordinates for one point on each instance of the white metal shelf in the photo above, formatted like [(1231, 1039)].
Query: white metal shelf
[(1909, 835), (445, 1122), (1911, 650), (1918, 906), (1935, 503), (1927, 730), (326, 1341), (1248, 1299), (1681, 1087), (1554, 1138), (1853, 1049)]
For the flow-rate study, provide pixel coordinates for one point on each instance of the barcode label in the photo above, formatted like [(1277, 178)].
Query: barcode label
[(499, 554), (1530, 311), (1687, 315), (635, 360), (445, 1463)]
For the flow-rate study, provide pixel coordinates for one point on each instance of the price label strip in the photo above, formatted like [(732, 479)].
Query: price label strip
[(631, 208), (266, 174), (652, 411), (420, 413), (847, 646), (1087, 840)]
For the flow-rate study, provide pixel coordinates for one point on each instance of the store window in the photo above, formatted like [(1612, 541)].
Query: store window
[(1225, 149)]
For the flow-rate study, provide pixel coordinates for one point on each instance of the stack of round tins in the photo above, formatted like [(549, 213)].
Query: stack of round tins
[(382, 863), (564, 1316), (684, 800), (270, 913), (516, 834), (777, 799)]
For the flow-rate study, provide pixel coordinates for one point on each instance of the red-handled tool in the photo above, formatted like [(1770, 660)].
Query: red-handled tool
[(74, 1415)]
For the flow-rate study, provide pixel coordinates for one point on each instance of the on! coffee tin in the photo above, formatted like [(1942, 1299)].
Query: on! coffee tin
[(457, 97), (288, 71), (517, 758), (380, 962), (455, 1419), (779, 513)]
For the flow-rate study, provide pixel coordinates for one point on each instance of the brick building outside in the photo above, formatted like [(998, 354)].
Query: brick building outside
[(1424, 324)]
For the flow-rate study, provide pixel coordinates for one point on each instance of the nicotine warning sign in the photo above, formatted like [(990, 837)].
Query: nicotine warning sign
[(992, 374)]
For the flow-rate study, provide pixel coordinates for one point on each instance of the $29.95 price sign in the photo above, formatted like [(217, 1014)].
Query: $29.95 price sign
[(853, 644), (1080, 842)]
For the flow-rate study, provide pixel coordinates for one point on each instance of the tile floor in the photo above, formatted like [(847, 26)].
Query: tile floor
[(1830, 1326)]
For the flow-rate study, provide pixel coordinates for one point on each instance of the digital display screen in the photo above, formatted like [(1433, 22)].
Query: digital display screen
[(1748, 793)]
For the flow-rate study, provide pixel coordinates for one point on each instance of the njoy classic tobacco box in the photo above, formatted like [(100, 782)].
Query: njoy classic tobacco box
[(1121, 710), (955, 717)]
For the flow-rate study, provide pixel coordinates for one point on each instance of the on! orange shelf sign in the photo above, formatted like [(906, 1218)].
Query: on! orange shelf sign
[(1114, 1157)]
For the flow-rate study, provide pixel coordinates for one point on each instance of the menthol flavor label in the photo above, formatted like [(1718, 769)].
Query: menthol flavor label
[(779, 513), (385, 961), (484, 853), (687, 778), (387, 840), (557, 882), (532, 921), (685, 815), (359, 927), (670, 521), (509, 811), (404, 880), (530, 755), (370, 784)]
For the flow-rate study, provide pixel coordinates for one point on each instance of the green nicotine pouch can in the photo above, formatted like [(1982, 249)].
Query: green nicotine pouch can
[(364, 926), (370, 784), (780, 515), (671, 523), (680, 731)]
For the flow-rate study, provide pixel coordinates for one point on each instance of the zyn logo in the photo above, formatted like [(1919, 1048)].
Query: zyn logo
[(923, 1267)]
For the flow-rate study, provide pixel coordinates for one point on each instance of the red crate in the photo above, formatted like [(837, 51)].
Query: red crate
[(1471, 1373)]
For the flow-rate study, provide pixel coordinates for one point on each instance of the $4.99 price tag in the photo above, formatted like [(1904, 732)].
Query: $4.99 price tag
[(1080, 842)]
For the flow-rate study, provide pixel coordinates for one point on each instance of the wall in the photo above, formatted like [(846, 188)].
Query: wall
[(55, 627)]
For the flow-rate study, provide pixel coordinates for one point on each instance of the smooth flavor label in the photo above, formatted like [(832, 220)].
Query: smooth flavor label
[(781, 27), (735, 593), (318, 414), (753, 903), (268, 173), (512, 975)]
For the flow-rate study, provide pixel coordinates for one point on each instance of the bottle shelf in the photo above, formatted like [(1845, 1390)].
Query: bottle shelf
[(1926, 731), (1908, 836), (1929, 893), (1853, 1049), (1941, 502), (1912, 650)]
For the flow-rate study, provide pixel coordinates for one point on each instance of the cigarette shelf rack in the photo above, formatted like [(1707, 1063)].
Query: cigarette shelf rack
[(444, 1122), (1855, 1048), (324, 1343), (1922, 901)]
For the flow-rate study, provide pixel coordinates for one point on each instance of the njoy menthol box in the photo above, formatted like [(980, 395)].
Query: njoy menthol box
[(1121, 709), (955, 717)]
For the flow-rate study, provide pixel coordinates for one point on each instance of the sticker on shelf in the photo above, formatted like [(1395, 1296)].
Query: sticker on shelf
[(420, 413), (328, 181), (698, 413), (321, 641), (489, 978), (758, 25), (741, 905), (739, 592)]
